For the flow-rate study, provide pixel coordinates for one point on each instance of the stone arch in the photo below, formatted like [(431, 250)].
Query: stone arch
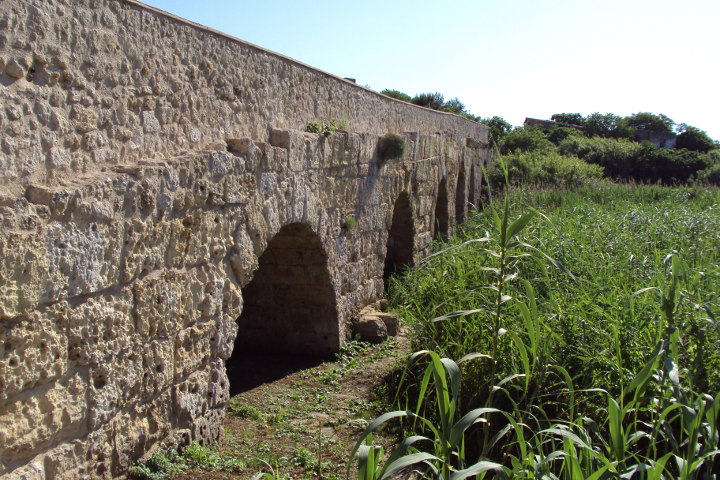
[(440, 221), (460, 197), (289, 305), (400, 238)]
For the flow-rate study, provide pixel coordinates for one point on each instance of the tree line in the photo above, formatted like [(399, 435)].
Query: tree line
[(606, 140)]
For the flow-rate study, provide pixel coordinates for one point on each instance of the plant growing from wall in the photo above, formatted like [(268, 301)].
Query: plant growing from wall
[(391, 147), (350, 223), (327, 126)]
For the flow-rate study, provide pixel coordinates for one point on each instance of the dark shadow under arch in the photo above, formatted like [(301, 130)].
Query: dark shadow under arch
[(460, 198), (289, 309), (400, 238), (472, 197), (440, 222)]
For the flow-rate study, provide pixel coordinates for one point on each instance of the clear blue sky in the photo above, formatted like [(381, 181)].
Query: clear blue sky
[(512, 58)]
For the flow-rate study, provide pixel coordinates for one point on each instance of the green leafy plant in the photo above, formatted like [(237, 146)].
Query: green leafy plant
[(391, 147), (166, 463), (350, 223), (327, 126)]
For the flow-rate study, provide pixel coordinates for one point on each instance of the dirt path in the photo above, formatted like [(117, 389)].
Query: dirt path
[(304, 424)]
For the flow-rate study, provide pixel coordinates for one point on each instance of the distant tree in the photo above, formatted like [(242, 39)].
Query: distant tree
[(650, 121), (453, 106), (570, 118), (695, 139), (429, 100), (498, 127), (397, 94), (601, 125)]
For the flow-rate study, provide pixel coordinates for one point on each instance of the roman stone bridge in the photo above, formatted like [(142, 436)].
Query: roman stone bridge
[(163, 207)]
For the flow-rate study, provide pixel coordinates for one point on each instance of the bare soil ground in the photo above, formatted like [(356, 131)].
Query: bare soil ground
[(298, 418)]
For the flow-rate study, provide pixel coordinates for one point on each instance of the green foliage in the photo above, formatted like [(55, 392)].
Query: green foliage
[(499, 128), (397, 94), (326, 126), (598, 374), (243, 410), (616, 156), (526, 140), (695, 139), (429, 100), (391, 147), (710, 175), (350, 223), (569, 118), (164, 464), (642, 162), (650, 121), (453, 106), (545, 169), (606, 125), (558, 134)]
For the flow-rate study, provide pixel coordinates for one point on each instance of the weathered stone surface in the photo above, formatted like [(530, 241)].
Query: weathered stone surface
[(162, 207), (371, 329)]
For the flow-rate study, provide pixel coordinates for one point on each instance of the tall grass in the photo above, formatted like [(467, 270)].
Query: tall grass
[(609, 371)]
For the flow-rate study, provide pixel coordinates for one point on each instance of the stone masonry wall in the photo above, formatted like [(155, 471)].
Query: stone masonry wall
[(145, 166)]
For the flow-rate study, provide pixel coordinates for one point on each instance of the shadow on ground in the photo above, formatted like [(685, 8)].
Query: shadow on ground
[(249, 370)]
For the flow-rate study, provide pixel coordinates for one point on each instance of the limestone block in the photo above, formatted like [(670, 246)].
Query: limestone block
[(157, 367), (133, 376), (48, 414), (237, 189), (145, 246), (391, 322), (198, 237), (66, 461), (22, 273), (242, 256), (136, 431), (191, 398), (81, 260), (193, 348), (100, 327), (219, 386), (209, 428), (221, 164), (33, 351), (371, 329), (165, 303), (114, 385)]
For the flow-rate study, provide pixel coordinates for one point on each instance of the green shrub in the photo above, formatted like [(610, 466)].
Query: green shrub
[(710, 175), (545, 169), (526, 140), (350, 223), (623, 159), (391, 147), (558, 134), (616, 156)]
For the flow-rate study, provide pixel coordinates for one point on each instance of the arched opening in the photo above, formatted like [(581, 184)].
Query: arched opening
[(472, 197), (400, 238), (460, 199), (288, 309), (440, 224)]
